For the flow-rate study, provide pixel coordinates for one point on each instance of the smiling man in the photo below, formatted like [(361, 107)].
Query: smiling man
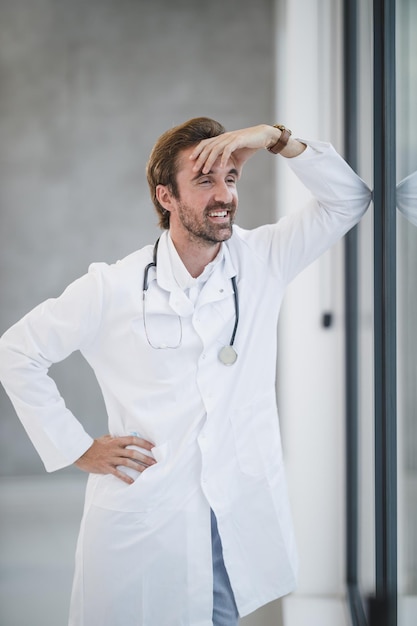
[(186, 519)]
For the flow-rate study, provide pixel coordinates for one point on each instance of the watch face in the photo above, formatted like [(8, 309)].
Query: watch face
[(282, 128)]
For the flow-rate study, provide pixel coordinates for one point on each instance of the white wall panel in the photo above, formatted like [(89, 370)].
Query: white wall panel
[(311, 364)]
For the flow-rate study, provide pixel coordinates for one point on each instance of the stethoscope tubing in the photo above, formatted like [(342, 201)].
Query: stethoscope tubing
[(234, 284)]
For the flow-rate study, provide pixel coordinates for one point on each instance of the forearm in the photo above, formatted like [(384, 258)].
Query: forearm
[(57, 435), (339, 200), (331, 180), (46, 335), (240, 145)]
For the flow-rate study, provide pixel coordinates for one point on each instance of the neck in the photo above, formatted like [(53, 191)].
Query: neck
[(195, 256)]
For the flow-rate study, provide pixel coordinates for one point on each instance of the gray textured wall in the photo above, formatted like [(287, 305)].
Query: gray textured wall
[(85, 89)]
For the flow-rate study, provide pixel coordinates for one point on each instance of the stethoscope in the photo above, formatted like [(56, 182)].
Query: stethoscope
[(227, 354)]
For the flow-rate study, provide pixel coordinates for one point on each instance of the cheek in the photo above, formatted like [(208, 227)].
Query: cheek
[(233, 201), (194, 199)]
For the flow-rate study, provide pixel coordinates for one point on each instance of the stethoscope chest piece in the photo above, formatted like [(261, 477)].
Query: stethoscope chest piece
[(228, 355)]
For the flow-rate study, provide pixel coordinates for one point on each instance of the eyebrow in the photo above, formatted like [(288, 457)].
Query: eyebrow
[(199, 174)]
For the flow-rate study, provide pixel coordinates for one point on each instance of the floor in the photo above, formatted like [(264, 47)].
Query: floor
[(39, 519), (38, 530)]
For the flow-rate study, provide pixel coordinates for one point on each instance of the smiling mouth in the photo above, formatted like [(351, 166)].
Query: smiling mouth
[(218, 213)]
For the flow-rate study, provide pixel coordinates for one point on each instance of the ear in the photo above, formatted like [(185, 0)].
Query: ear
[(165, 197)]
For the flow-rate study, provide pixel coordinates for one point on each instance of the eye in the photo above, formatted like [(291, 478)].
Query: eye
[(204, 181), (231, 180)]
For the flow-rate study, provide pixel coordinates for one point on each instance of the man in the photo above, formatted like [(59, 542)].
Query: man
[(186, 518)]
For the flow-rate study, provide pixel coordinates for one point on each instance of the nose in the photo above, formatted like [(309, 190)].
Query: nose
[(224, 193)]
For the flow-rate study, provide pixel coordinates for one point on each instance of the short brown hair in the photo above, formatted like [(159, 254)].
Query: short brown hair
[(163, 162)]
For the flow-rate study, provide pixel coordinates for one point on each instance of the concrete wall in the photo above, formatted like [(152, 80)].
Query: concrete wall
[(86, 88)]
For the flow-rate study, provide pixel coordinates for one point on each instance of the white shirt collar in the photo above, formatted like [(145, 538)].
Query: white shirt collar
[(182, 276), (222, 268)]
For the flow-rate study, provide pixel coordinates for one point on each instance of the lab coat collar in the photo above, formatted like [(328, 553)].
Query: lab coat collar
[(218, 286), (178, 301)]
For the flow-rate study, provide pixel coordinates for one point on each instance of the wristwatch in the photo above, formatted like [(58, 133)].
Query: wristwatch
[(282, 141)]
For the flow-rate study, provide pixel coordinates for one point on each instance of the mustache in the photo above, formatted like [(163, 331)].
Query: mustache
[(221, 206)]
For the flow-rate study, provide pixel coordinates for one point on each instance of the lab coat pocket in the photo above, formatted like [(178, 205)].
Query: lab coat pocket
[(257, 438), (144, 494)]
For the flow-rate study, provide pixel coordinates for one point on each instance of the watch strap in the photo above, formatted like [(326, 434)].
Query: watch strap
[(282, 141)]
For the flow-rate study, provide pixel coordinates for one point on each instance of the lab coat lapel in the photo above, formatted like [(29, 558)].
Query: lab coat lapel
[(178, 301), (219, 285)]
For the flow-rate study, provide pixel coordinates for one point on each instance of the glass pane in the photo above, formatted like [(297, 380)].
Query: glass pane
[(407, 308)]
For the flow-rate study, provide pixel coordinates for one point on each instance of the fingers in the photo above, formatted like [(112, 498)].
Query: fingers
[(208, 151), (131, 456), (134, 440), (237, 145), (122, 476), (108, 454)]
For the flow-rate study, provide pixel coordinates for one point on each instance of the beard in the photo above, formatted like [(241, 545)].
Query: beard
[(203, 228)]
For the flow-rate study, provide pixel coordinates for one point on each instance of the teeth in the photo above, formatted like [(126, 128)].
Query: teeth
[(218, 214)]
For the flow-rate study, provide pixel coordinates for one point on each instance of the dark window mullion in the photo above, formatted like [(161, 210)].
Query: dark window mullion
[(351, 134), (384, 606)]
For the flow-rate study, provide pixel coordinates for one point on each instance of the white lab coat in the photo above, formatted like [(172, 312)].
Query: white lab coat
[(144, 551)]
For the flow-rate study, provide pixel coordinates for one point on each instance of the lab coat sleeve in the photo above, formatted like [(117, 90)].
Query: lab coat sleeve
[(339, 198), (46, 335)]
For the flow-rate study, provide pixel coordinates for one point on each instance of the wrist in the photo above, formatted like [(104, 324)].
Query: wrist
[(293, 149), (279, 142)]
